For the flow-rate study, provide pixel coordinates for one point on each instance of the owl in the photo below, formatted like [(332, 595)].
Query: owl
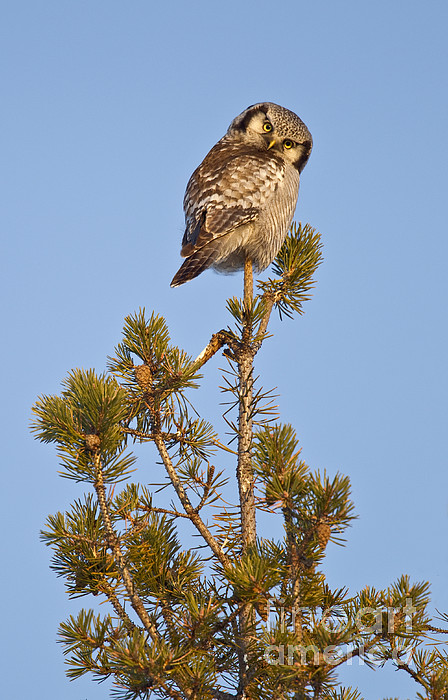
[(240, 201)]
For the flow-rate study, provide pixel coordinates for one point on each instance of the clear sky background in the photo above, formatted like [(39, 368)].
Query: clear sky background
[(107, 107)]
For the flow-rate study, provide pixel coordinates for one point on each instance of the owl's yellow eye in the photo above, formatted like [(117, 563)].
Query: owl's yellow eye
[(287, 143), (267, 126)]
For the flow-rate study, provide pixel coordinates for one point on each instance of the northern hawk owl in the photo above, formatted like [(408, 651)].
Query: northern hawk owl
[(240, 201)]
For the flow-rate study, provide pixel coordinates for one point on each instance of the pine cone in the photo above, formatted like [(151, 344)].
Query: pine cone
[(323, 532), (92, 442), (143, 376)]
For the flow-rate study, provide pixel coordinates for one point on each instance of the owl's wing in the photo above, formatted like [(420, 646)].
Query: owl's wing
[(214, 223), (227, 191)]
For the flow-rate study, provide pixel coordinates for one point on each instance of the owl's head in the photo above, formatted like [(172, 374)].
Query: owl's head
[(268, 125)]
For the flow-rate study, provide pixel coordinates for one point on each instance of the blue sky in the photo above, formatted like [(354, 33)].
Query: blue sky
[(107, 107)]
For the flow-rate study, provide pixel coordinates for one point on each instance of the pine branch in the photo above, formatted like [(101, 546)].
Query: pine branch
[(190, 511), (295, 265), (221, 695), (136, 601), (144, 436), (167, 511), (245, 365), (294, 564), (121, 612), (439, 630), (206, 620), (403, 666)]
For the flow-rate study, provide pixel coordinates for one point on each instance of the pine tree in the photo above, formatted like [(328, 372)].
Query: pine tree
[(237, 614)]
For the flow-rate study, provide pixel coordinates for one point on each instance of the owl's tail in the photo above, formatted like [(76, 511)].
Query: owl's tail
[(199, 261)]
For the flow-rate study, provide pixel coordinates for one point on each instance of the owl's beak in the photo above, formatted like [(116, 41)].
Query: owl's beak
[(271, 143)]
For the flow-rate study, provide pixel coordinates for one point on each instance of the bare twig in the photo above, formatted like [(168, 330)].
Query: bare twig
[(216, 342), (269, 301), (207, 487)]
